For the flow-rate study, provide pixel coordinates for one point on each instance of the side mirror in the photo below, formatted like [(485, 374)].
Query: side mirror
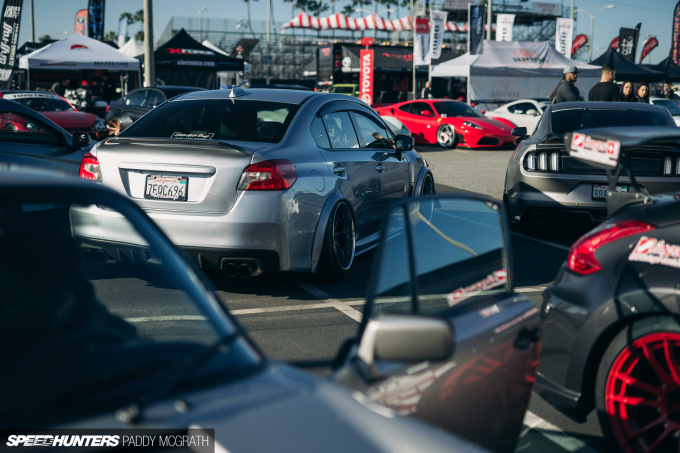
[(519, 131), (404, 143), (81, 139), (426, 113)]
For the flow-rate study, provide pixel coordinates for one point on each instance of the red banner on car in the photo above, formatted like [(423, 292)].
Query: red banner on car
[(366, 76)]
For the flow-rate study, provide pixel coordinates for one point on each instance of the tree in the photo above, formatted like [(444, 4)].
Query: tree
[(44, 38)]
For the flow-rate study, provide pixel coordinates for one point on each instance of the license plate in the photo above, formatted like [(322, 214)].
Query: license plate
[(600, 191), (159, 187)]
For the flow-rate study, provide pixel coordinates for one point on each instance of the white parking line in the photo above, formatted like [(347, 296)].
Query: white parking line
[(554, 434), (335, 303)]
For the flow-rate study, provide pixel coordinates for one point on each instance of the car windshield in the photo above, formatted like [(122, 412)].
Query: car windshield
[(343, 89), (43, 103), (449, 109), (670, 105), (97, 314), (216, 119), (564, 121)]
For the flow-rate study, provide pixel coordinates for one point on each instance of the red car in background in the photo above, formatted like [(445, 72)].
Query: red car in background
[(60, 111), (450, 123)]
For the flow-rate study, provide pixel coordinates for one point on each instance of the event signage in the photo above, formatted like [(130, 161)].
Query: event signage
[(563, 36), (437, 29), (648, 46), (615, 43), (579, 41), (122, 32), (504, 23), (674, 54), (421, 46), (628, 38), (366, 56), (476, 16), (11, 20), (95, 19), (81, 22)]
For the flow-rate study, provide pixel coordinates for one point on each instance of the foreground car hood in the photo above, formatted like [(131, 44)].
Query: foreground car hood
[(283, 409), (72, 120)]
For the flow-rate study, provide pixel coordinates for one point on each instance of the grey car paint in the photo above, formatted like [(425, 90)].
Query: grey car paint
[(277, 230)]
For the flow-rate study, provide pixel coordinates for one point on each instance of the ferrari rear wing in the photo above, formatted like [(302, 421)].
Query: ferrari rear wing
[(611, 149)]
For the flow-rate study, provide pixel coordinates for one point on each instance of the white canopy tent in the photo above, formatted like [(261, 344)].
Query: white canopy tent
[(132, 48), (510, 70), (78, 52)]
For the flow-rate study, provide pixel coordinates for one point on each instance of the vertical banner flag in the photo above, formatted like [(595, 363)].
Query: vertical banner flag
[(437, 28), (366, 75), (421, 55), (95, 19), (648, 46), (504, 23), (563, 36), (615, 43), (628, 38), (579, 41), (674, 54), (122, 31), (81, 22), (11, 20), (476, 16)]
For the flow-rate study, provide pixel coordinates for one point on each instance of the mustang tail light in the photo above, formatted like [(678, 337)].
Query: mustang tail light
[(89, 168), (276, 174), (545, 161), (581, 259)]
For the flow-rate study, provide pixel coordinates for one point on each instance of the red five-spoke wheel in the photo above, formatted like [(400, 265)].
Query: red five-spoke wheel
[(639, 388)]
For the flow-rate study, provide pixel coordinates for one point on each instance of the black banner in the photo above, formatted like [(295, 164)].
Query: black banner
[(477, 15), (674, 54), (628, 39), (95, 19), (11, 20)]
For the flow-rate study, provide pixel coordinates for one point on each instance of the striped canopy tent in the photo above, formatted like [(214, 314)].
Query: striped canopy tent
[(339, 21)]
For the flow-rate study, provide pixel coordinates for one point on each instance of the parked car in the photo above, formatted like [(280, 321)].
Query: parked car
[(611, 321), (351, 89), (671, 105), (248, 181), (523, 113), (27, 138), (107, 325), (544, 185), (123, 111), (60, 111), (450, 123)]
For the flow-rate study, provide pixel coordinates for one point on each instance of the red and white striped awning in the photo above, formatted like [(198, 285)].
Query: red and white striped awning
[(341, 22)]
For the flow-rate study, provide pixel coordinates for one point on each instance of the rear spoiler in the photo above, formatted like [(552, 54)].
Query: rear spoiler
[(611, 149)]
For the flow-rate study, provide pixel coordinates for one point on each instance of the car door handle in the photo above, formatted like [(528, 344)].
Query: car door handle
[(526, 337), (380, 168), (340, 170)]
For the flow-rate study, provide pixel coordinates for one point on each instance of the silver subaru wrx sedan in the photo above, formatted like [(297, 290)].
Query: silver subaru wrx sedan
[(248, 181)]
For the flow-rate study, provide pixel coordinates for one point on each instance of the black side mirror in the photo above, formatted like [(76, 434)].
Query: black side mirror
[(81, 139), (404, 143), (519, 131)]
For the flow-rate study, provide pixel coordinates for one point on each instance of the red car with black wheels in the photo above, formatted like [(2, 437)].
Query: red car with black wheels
[(449, 124)]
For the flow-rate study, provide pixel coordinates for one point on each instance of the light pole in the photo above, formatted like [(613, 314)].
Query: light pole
[(592, 25), (200, 16), (388, 10)]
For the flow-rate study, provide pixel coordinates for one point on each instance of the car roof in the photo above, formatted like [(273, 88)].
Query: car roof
[(258, 94), (37, 93), (602, 105)]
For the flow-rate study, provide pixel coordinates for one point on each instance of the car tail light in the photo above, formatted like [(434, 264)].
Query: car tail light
[(89, 168), (276, 174), (581, 259)]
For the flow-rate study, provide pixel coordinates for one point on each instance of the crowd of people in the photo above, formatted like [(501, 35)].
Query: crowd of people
[(605, 90)]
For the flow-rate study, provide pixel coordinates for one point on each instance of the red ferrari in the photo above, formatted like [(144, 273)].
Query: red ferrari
[(449, 123), (60, 111)]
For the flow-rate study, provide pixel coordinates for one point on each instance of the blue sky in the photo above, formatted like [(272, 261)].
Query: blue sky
[(56, 17)]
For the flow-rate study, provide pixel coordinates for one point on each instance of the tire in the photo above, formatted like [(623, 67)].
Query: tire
[(446, 136), (427, 187), (638, 387), (337, 255)]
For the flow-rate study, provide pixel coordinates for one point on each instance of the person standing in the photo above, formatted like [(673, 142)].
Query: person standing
[(61, 87), (642, 92), (606, 90), (426, 92), (627, 93), (567, 91)]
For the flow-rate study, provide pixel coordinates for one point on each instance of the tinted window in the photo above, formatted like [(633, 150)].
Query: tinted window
[(373, 134), (340, 130), (17, 128), (42, 103), (136, 99), (319, 134), (523, 107), (670, 105), (216, 119), (417, 108), (564, 121), (453, 108)]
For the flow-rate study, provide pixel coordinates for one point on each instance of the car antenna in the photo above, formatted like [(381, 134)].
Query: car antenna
[(236, 92)]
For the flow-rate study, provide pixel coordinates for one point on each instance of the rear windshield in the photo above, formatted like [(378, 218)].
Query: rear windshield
[(216, 119), (564, 121)]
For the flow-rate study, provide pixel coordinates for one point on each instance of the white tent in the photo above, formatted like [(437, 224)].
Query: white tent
[(132, 48), (212, 46), (510, 70), (78, 52)]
